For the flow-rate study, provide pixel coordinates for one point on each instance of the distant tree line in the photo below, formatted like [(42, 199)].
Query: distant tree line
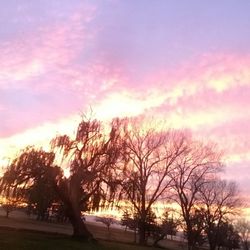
[(131, 161)]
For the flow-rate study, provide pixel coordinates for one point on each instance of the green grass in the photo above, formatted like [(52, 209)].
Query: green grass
[(11, 239)]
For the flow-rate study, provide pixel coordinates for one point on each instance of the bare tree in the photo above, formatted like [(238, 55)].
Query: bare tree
[(194, 168), (228, 238), (149, 156), (107, 221), (219, 200), (243, 227)]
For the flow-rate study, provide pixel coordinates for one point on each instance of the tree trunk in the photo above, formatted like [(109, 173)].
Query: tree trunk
[(73, 212), (69, 194), (190, 238), (245, 245), (7, 213), (80, 230), (212, 242), (135, 235), (161, 237), (142, 221), (142, 232)]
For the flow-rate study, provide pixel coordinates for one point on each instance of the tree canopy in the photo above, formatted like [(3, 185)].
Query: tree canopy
[(123, 161)]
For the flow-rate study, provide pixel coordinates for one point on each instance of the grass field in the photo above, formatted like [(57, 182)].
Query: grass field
[(12, 239), (99, 231), (22, 233)]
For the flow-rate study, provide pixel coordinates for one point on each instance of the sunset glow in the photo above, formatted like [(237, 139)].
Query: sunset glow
[(185, 63)]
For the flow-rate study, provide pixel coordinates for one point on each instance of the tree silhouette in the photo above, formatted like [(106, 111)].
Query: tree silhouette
[(132, 221), (107, 221), (196, 231), (228, 238), (149, 156), (90, 156), (243, 227), (125, 161), (24, 173), (219, 199), (41, 195), (168, 226), (11, 204), (197, 165)]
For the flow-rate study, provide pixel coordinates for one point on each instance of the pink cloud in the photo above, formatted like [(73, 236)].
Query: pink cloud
[(39, 73), (206, 94), (210, 96), (47, 49)]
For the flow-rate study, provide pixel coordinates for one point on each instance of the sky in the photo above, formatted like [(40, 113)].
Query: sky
[(187, 62)]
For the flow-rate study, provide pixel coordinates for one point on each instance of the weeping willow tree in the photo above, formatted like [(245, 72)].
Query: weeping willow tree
[(90, 156), (24, 175)]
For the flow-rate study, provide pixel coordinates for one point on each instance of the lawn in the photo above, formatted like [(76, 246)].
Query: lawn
[(12, 239)]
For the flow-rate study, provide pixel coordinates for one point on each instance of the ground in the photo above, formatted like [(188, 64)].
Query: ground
[(12, 239), (20, 233)]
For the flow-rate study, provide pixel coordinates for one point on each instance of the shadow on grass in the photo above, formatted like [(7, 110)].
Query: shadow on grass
[(19, 239)]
